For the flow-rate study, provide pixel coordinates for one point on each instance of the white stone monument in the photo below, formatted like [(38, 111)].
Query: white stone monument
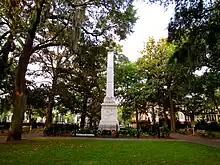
[(109, 111)]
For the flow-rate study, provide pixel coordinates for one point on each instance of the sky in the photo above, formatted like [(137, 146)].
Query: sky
[(153, 21)]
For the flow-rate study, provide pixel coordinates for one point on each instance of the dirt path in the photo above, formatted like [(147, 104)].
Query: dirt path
[(97, 138), (196, 139), (24, 136), (3, 139), (174, 137)]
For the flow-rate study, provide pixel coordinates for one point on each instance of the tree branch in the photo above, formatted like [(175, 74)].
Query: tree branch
[(96, 34), (4, 35), (45, 44), (89, 2), (39, 47)]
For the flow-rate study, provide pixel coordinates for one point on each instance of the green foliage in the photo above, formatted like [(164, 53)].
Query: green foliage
[(185, 131), (71, 24), (107, 133), (164, 131), (86, 131), (128, 132), (195, 29), (59, 130), (202, 125)]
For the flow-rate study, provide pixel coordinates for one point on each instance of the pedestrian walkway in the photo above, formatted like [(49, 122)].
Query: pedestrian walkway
[(24, 136), (197, 139), (174, 137), (3, 139)]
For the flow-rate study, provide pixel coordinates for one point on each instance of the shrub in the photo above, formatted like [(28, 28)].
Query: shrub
[(144, 134), (180, 125), (85, 131), (164, 132), (181, 131), (214, 126), (106, 133), (60, 129), (207, 133), (128, 132), (210, 134), (49, 131), (217, 134), (186, 131), (201, 125)]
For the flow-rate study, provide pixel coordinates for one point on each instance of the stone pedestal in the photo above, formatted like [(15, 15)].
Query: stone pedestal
[(109, 117)]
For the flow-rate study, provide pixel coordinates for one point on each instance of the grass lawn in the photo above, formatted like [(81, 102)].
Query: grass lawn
[(70, 151)]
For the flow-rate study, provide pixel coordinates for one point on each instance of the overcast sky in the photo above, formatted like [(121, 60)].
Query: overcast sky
[(153, 21)]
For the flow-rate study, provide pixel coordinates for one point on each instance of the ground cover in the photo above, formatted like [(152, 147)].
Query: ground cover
[(58, 151)]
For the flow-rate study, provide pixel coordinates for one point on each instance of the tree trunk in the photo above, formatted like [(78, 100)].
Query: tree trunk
[(172, 113), (192, 116), (83, 120), (6, 49), (83, 115), (165, 109), (15, 130), (154, 120), (137, 123), (20, 86), (215, 102), (90, 121), (30, 115), (165, 116), (49, 116)]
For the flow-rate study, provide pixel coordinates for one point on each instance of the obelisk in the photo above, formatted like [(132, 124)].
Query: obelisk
[(109, 111)]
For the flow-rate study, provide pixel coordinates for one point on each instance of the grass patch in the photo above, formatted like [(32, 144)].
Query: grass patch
[(68, 151)]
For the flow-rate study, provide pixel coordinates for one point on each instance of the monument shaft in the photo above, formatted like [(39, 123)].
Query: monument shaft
[(110, 76), (109, 111)]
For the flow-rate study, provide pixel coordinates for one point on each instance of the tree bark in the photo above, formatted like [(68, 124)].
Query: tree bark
[(84, 111), (6, 49), (154, 119), (192, 117), (15, 130), (137, 123), (165, 115), (172, 113), (90, 121), (20, 85), (83, 120), (30, 115), (83, 114), (215, 102), (49, 116)]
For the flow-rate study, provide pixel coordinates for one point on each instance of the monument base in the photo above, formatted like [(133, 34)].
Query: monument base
[(109, 117), (110, 125)]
